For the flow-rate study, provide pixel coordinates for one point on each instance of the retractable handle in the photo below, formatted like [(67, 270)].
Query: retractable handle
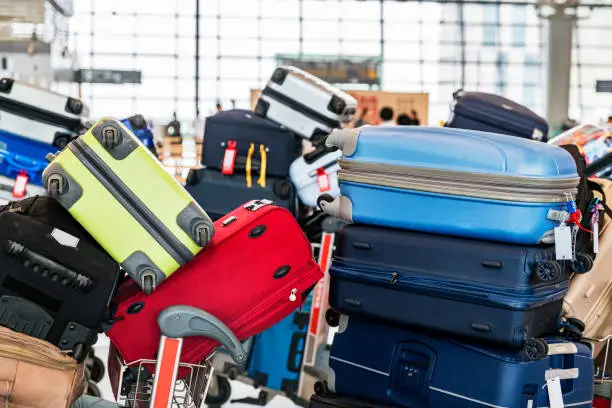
[(186, 321)]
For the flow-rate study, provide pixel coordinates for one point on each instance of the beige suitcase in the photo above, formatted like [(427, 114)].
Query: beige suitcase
[(589, 297)]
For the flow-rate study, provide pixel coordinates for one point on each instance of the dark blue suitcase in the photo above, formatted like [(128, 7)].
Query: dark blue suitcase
[(219, 194), (275, 359), (498, 292), (20, 154), (245, 128), (397, 366), (493, 113)]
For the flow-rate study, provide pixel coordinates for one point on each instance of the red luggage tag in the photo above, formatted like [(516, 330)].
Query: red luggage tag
[(229, 158), (323, 180), (21, 184)]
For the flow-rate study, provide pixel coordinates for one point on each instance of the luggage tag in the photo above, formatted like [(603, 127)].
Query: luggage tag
[(229, 158), (555, 396), (595, 226), (323, 180), (565, 234), (21, 184)]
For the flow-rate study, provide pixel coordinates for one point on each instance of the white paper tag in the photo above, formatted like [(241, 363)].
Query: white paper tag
[(563, 242), (555, 396), (65, 238), (596, 237)]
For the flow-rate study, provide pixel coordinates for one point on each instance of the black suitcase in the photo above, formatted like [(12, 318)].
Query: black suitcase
[(56, 282), (493, 113), (238, 129), (219, 194)]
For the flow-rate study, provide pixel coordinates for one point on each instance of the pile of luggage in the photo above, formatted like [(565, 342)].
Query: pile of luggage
[(448, 287), (67, 261)]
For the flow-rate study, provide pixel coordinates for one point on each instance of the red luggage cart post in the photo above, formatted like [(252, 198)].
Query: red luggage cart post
[(163, 389)]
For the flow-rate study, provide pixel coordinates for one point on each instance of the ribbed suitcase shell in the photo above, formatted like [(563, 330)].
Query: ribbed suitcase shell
[(487, 159), (392, 365), (128, 202)]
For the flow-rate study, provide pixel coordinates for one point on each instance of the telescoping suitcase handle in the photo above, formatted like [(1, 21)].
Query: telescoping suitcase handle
[(186, 321)]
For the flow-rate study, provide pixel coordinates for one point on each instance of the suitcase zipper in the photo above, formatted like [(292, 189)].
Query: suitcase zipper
[(297, 106), (100, 170), (476, 185), (27, 111)]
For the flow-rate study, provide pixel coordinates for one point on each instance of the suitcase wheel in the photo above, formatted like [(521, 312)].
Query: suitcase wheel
[(96, 369), (200, 234), (582, 264), (318, 138), (332, 318), (534, 349), (56, 185), (262, 107), (78, 352), (321, 388), (148, 283), (93, 390), (111, 137), (572, 333), (324, 198), (61, 141), (75, 106), (548, 271), (282, 189), (577, 323)]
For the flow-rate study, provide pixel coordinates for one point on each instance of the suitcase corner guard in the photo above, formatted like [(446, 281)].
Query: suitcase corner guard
[(110, 134), (196, 224), (61, 186)]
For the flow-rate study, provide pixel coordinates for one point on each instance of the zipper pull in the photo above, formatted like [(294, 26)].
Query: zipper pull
[(293, 295)]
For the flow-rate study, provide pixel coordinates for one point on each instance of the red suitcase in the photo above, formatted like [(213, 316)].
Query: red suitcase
[(255, 272)]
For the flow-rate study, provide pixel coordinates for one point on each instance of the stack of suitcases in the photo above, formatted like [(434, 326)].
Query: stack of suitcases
[(447, 287)]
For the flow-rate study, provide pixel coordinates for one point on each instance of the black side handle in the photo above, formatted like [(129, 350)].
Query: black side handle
[(491, 264), (320, 151), (296, 353)]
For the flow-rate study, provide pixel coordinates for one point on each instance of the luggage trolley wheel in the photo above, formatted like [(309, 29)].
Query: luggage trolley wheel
[(220, 393), (548, 271), (332, 318), (321, 388), (582, 264), (324, 198), (96, 369), (534, 349)]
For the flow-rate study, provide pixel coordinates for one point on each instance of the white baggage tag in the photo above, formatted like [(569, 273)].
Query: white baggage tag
[(563, 242), (555, 396), (595, 228)]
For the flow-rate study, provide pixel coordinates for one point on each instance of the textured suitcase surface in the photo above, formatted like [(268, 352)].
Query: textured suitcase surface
[(454, 182), (493, 113), (219, 194), (39, 114), (275, 360), (244, 128), (589, 297), (408, 369), (305, 104), (127, 201), (316, 173), (242, 278), (56, 282)]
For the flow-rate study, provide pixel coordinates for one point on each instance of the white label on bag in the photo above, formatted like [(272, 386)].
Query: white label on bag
[(537, 134), (563, 242), (596, 237), (64, 238), (555, 396)]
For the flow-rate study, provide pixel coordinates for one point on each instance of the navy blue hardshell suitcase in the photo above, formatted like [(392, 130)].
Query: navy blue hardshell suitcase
[(392, 365), (505, 293), (220, 194), (493, 113), (275, 360), (238, 129)]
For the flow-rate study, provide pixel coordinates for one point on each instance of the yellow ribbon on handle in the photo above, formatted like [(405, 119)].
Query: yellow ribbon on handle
[(264, 162), (249, 180)]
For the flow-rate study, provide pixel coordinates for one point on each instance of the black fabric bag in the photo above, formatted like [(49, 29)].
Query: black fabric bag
[(56, 282), (245, 128)]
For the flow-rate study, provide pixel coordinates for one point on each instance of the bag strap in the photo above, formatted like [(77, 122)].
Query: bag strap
[(597, 187)]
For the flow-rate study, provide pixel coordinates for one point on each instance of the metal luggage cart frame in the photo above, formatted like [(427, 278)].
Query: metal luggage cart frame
[(600, 378), (164, 388)]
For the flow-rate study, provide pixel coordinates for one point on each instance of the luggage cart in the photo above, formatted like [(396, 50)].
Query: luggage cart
[(167, 382)]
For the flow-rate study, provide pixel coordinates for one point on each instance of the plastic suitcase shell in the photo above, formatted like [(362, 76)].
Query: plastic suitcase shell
[(305, 171), (304, 103), (56, 283), (409, 369), (24, 147), (220, 194), (139, 126), (11, 165), (589, 297), (38, 113), (493, 113), (244, 128), (110, 182), (455, 182), (241, 278)]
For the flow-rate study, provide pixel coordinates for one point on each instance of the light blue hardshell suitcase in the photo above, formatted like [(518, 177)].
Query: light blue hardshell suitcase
[(451, 182)]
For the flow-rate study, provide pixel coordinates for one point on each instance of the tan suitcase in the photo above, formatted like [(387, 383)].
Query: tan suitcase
[(36, 374), (590, 295)]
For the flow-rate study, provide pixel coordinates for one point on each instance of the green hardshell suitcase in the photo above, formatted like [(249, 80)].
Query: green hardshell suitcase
[(113, 186)]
